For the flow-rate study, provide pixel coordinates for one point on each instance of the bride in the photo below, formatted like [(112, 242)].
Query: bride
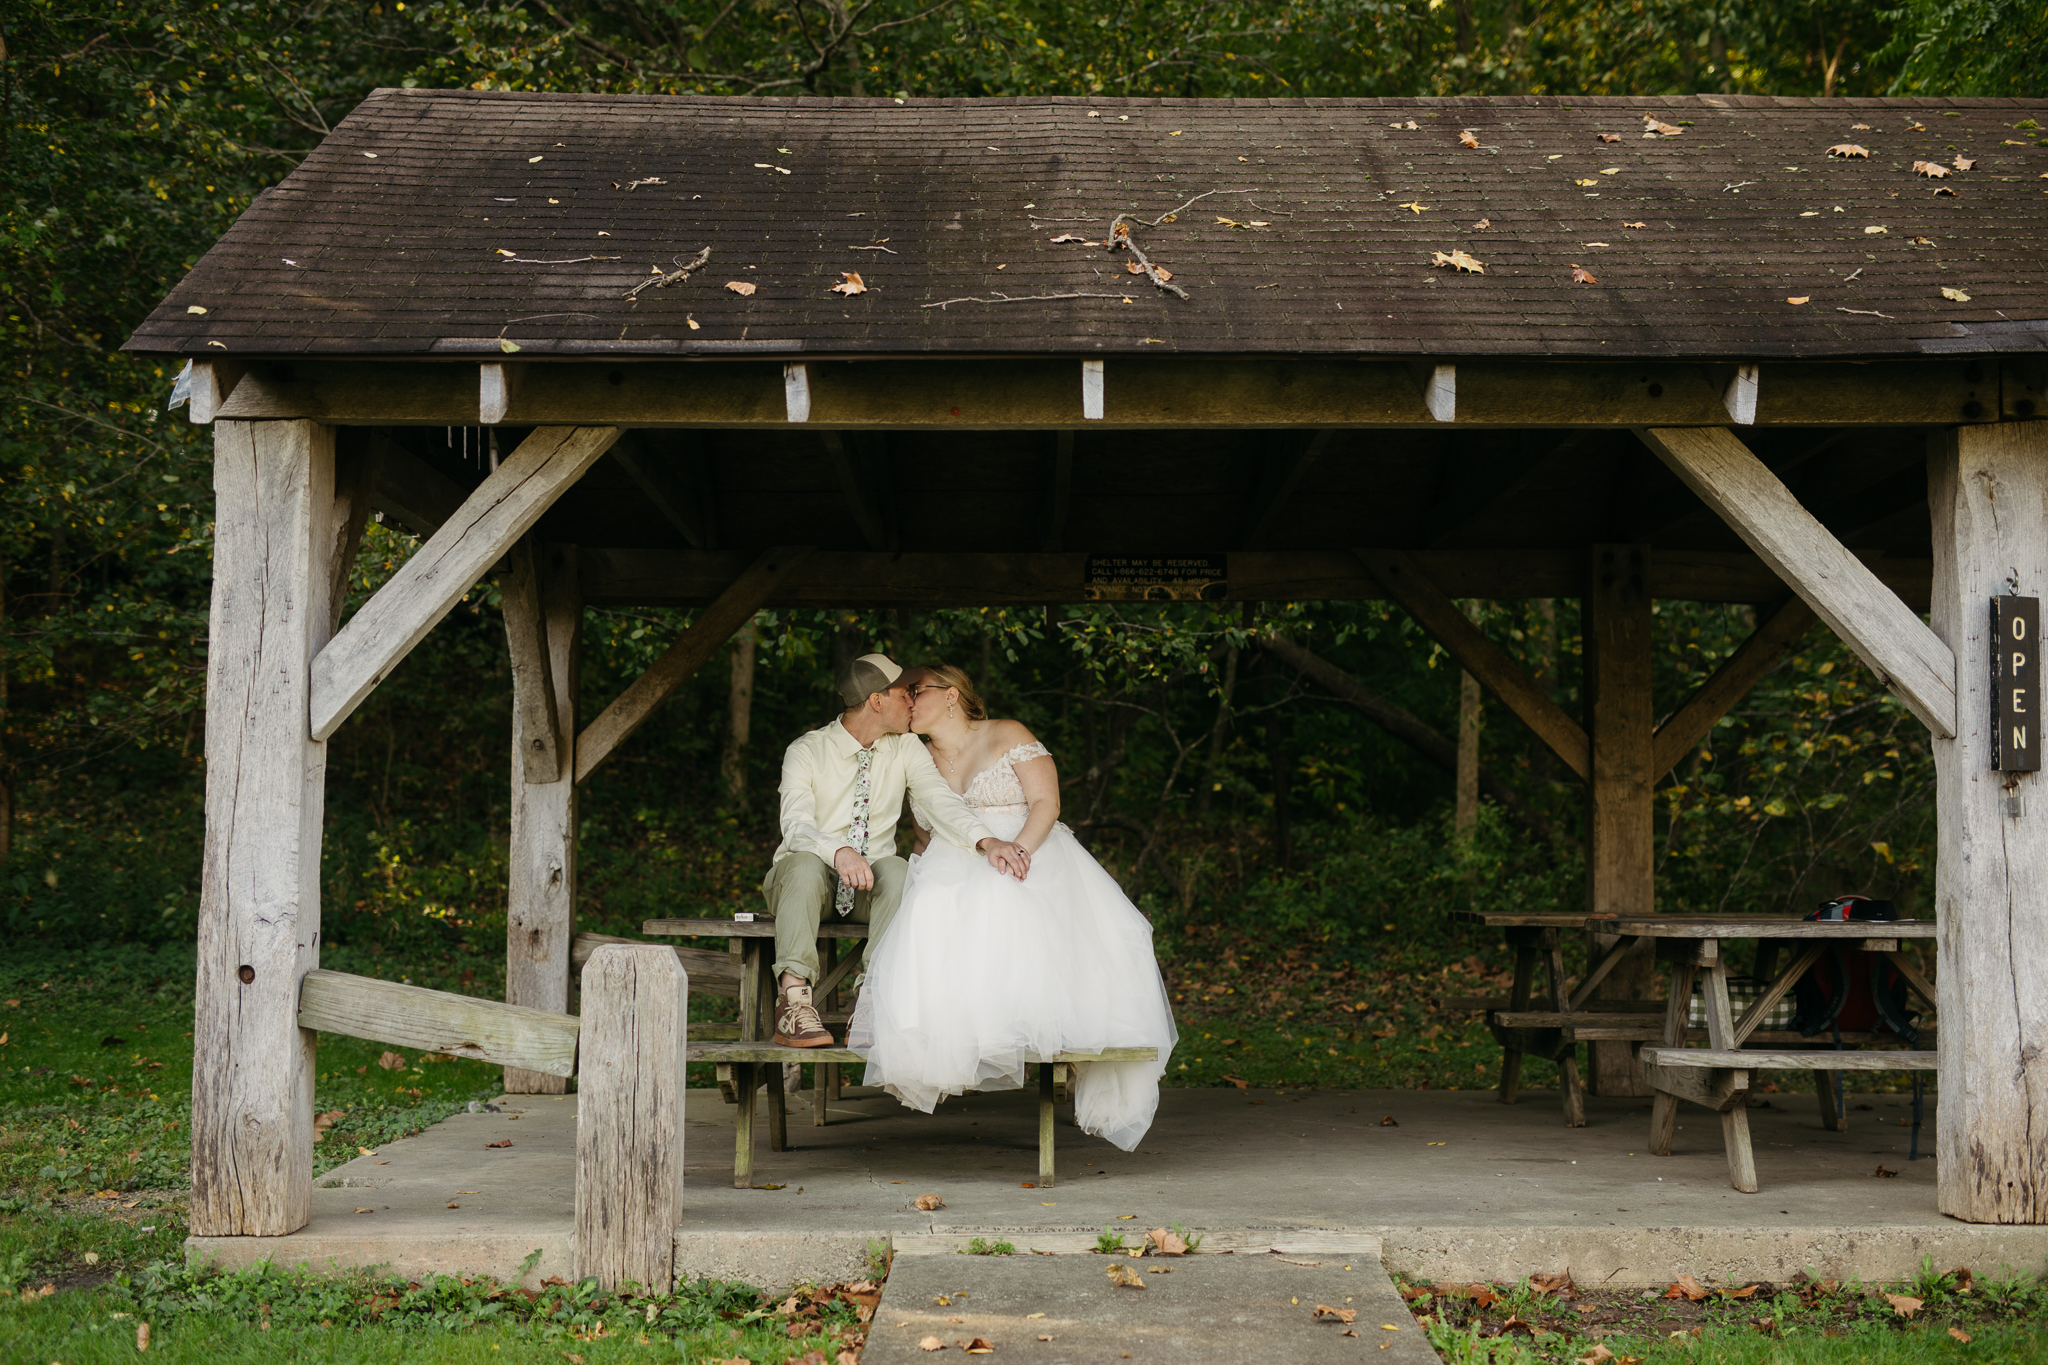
[(980, 972)]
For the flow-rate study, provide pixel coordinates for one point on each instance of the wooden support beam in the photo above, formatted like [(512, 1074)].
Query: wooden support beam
[(1461, 509), (665, 489), (1621, 788), (411, 492), (712, 628), (1730, 683), (1059, 493), (355, 482), (1441, 395), (1280, 475), (428, 586), (1092, 400), (213, 382), (710, 973), (1405, 582), (497, 388), (869, 511), (629, 1109), (259, 889), (1885, 633), (439, 1021), (1988, 487), (796, 393), (540, 876)]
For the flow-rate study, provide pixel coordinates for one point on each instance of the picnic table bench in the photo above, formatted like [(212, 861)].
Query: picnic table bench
[(753, 1062)]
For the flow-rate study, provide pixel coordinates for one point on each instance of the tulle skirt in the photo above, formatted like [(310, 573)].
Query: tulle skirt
[(979, 972)]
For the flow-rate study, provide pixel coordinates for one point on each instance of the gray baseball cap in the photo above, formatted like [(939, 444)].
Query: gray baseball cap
[(865, 676)]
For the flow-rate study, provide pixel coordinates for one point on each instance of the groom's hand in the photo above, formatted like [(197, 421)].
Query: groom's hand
[(1011, 859), (853, 870)]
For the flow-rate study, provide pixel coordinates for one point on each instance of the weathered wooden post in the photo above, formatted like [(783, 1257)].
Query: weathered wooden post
[(1988, 495), (1620, 803), (275, 530), (629, 1107), (544, 630)]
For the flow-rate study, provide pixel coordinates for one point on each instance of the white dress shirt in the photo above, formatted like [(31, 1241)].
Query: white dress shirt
[(818, 774)]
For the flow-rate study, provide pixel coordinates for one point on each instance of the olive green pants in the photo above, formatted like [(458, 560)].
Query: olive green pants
[(799, 889)]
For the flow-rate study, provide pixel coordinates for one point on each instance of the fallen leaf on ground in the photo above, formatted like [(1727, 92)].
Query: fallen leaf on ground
[(1413, 1292), (321, 1122), (142, 1336), (1389, 1121), (928, 1202), (1905, 1305), (1234, 1081), (391, 1061), (1658, 126), (363, 1210), (1560, 1283), (1848, 151), (368, 1151), (979, 1346), (783, 1186), (1686, 1287), (1124, 1277), (740, 287), (1965, 163), (1884, 1172), (1933, 170), (1959, 1334), (1065, 237), (502, 1142), (1799, 298), (1596, 1355), (1468, 138), (1458, 260), (1581, 275), (1325, 1313), (1044, 1337), (1167, 1242), (850, 284), (1741, 1293)]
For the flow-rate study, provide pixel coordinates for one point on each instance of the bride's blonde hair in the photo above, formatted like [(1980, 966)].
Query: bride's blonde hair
[(945, 675)]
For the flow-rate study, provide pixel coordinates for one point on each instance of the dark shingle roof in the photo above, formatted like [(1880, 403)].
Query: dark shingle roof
[(389, 239)]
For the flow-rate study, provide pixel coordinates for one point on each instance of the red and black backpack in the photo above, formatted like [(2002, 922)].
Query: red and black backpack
[(1849, 990)]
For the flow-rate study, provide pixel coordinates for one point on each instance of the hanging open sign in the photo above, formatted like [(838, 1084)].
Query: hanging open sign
[(2016, 683)]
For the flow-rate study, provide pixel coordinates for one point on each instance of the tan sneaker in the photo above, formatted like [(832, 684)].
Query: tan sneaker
[(796, 1020)]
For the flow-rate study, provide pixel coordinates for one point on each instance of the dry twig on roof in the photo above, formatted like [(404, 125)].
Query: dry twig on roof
[(695, 263), (1031, 298), (573, 260), (1120, 236)]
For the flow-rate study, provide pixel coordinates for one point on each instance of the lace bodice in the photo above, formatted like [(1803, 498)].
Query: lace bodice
[(996, 787)]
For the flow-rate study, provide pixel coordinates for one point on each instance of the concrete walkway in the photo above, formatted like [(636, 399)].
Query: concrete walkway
[(1458, 1187)]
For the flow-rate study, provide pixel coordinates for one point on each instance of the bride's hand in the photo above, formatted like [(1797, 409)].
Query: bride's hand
[(1011, 859)]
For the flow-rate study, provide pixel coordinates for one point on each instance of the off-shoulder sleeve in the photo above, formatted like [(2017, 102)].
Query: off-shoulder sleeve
[(1024, 753)]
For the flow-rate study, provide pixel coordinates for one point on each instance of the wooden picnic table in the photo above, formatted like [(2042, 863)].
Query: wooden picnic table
[(1534, 937), (1718, 1076), (753, 1061)]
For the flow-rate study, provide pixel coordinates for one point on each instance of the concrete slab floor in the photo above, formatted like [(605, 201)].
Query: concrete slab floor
[(1459, 1186)]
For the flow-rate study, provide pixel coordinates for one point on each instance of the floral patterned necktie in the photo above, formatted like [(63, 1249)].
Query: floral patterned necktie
[(857, 831)]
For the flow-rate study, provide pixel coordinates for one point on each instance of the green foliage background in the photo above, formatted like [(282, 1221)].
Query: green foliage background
[(135, 132)]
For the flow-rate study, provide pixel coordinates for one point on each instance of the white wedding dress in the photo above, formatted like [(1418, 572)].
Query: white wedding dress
[(980, 972)]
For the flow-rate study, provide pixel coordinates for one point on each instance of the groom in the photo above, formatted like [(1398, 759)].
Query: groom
[(842, 793)]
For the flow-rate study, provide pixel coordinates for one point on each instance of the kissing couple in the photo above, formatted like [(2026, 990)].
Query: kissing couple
[(998, 942)]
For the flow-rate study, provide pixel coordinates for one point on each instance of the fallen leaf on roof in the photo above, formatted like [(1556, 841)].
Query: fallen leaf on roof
[(1482, 225), (1923, 241), (1175, 133), (1609, 137), (850, 284), (554, 201), (194, 308), (1905, 1305), (1661, 128), (1635, 225), (740, 287), (1585, 182), (691, 323), (1612, 170), (371, 155), (645, 180), (1459, 260), (1468, 138), (1875, 230), (1965, 163), (2009, 142), (1859, 127), (1686, 1287), (1072, 237), (1941, 190), (1324, 1313), (1232, 222), (1416, 205), (1811, 213), (1592, 244), (928, 1202), (1916, 127), (1411, 125), (1933, 170), (1848, 151), (1123, 1277), (530, 160)]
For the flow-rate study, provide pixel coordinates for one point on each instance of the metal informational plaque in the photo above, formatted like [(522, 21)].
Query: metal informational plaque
[(2016, 683), (1156, 578)]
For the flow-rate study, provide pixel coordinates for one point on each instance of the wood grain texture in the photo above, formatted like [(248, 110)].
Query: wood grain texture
[(1730, 683), (1885, 633), (439, 1021), (1988, 491), (629, 1116), (537, 741), (502, 509), (710, 973), (1818, 1059), (692, 649), (1710, 927), (540, 880), (411, 492), (1716, 1088), (1406, 582), (259, 891), (213, 381)]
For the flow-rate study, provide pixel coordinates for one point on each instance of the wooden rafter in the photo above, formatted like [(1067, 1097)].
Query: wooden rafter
[(1730, 683), (1437, 614), (664, 489), (1280, 475), (502, 509), (1503, 485), (1059, 493), (692, 649), (869, 511), (1885, 633)]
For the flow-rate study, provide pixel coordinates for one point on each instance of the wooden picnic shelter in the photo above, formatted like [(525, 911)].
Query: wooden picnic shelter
[(730, 354)]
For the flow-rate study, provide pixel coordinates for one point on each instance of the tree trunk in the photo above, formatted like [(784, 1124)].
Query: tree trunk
[(739, 715), (1467, 809), (1276, 760), (1212, 773)]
